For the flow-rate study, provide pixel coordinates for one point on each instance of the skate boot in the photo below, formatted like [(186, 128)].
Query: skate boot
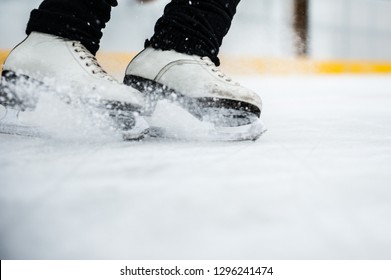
[(44, 64), (201, 88)]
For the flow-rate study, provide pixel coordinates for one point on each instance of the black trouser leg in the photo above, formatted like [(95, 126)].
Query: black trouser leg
[(187, 26), (194, 26), (81, 20)]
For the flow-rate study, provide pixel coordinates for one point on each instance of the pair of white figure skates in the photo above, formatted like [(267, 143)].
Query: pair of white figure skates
[(44, 63)]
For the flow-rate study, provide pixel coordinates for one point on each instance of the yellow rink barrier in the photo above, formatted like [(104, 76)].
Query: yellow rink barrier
[(116, 62)]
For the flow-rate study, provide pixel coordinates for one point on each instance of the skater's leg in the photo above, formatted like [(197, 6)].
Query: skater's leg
[(180, 63), (79, 20), (194, 27), (58, 58)]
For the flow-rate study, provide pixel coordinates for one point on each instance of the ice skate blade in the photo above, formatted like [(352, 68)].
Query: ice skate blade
[(172, 121), (249, 132), (11, 122), (20, 93)]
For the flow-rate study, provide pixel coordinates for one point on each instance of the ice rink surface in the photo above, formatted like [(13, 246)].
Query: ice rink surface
[(315, 186)]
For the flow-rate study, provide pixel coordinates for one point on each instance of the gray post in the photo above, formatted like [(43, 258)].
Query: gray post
[(300, 25)]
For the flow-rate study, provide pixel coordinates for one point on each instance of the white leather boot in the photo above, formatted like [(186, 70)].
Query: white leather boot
[(47, 64), (200, 87)]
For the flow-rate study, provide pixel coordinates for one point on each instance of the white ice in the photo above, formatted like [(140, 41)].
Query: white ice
[(315, 186)]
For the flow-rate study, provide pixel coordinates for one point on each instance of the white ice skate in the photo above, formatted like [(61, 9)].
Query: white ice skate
[(201, 88), (46, 64)]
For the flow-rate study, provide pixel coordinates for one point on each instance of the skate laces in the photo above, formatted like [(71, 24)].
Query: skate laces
[(91, 61), (216, 70)]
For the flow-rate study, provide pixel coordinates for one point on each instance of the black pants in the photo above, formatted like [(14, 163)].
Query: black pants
[(187, 26)]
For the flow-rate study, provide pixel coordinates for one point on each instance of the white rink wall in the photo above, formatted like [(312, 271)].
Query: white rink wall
[(351, 29), (340, 29)]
